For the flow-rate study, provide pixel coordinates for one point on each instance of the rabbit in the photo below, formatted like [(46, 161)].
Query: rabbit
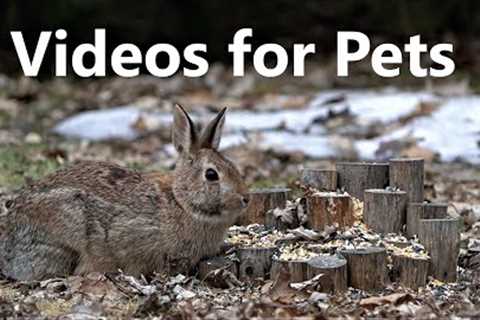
[(101, 217)]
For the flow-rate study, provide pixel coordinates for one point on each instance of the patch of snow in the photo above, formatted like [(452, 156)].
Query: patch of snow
[(100, 124), (453, 131), (368, 106), (373, 106), (115, 123)]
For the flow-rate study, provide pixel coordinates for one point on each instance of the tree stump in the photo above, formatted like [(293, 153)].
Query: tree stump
[(333, 268), (327, 208), (384, 210), (261, 201), (410, 272), (366, 267), (441, 238), (323, 180), (355, 177), (408, 175), (296, 268), (417, 211), (254, 263), (208, 268)]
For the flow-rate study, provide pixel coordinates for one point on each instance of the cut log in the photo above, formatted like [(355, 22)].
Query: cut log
[(296, 268), (356, 177), (209, 269), (261, 201), (414, 214), (408, 175), (441, 238), (323, 180), (366, 267), (410, 272), (417, 211), (384, 210), (254, 263), (333, 268), (327, 208)]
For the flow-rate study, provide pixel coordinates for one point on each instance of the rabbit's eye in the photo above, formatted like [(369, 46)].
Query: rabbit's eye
[(211, 175)]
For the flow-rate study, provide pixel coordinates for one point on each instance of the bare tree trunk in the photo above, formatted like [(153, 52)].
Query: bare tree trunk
[(323, 180), (408, 175), (410, 272), (441, 238), (356, 177), (254, 263), (261, 201), (325, 209), (417, 211), (384, 211), (367, 267)]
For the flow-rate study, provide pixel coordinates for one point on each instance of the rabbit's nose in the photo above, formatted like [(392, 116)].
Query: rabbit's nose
[(245, 200)]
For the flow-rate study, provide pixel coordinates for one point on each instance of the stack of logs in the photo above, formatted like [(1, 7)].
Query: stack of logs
[(393, 202)]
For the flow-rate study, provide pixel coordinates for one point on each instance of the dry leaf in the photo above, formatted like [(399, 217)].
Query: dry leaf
[(395, 299)]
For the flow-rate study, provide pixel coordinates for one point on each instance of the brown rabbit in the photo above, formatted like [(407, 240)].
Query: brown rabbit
[(97, 216)]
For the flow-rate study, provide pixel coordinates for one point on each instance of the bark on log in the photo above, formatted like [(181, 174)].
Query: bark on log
[(333, 268), (408, 175), (441, 238), (254, 263), (355, 177), (323, 180), (326, 208), (296, 268), (366, 267), (417, 211), (208, 268), (384, 211), (410, 272), (261, 201)]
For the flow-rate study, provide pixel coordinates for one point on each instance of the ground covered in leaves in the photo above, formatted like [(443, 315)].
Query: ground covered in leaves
[(29, 150)]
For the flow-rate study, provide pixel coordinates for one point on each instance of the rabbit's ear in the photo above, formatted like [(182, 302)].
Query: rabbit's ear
[(212, 133), (184, 134)]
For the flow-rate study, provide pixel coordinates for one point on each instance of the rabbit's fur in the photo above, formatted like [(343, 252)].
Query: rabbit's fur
[(97, 216)]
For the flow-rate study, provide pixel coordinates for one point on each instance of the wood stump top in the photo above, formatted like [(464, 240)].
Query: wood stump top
[(385, 191), (363, 251), (363, 163), (327, 261), (332, 194), (413, 257)]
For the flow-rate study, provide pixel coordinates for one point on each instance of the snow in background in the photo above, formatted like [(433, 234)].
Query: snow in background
[(452, 130)]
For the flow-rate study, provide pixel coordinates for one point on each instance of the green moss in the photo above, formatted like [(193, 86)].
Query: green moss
[(20, 162)]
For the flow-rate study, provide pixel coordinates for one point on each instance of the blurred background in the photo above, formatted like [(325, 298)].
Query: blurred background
[(275, 127)]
